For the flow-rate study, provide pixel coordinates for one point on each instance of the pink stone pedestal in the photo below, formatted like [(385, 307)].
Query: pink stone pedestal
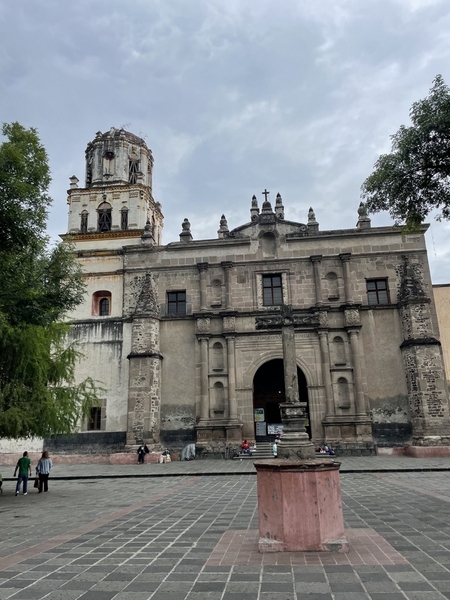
[(300, 506), (427, 451)]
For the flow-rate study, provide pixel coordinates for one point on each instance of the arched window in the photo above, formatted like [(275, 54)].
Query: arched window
[(269, 244), (104, 217), (101, 304), (103, 307), (343, 393), (133, 168), (219, 399), (216, 292), (124, 218), (217, 358), (339, 351), (333, 286), (84, 221)]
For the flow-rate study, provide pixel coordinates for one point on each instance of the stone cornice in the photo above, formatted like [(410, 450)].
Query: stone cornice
[(429, 341), (105, 235)]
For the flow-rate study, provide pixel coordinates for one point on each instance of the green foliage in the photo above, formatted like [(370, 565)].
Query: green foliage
[(24, 181), (414, 178), (37, 393), (38, 286)]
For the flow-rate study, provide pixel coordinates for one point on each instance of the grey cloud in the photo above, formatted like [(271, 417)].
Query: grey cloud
[(299, 97)]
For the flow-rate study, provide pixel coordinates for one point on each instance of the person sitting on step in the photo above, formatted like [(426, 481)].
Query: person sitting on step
[(245, 447)]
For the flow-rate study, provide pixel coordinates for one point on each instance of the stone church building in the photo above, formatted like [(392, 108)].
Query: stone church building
[(185, 337)]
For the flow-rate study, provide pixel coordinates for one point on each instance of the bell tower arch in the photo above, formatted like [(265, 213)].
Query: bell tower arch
[(116, 201)]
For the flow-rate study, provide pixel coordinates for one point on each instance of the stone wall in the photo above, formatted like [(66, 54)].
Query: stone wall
[(92, 442)]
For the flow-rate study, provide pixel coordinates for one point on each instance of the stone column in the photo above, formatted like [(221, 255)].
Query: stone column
[(316, 260), (203, 269), (204, 391), (227, 266), (325, 359), (295, 442), (345, 259), (290, 364), (356, 359), (232, 401)]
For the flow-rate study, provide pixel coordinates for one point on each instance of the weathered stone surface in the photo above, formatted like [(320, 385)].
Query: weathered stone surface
[(356, 358)]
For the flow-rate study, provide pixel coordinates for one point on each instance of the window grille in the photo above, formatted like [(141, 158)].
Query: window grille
[(176, 304), (272, 290), (377, 291)]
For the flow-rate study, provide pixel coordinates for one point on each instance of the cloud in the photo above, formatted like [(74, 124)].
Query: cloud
[(299, 97)]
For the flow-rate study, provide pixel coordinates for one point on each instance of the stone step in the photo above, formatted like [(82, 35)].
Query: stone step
[(261, 452)]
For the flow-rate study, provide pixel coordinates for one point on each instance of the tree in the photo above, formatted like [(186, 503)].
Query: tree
[(414, 178), (38, 286)]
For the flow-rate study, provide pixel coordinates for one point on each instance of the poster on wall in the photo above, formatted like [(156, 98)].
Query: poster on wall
[(260, 428), (274, 428), (259, 414)]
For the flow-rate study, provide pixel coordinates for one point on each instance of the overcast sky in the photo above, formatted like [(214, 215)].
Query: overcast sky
[(232, 96)]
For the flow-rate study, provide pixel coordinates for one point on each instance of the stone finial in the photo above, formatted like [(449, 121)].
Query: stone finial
[(313, 225), (223, 228), (147, 236), (363, 219), (279, 208), (73, 182), (254, 211), (266, 207), (185, 235), (311, 216)]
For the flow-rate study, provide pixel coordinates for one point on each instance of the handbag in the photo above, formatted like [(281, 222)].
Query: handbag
[(36, 483)]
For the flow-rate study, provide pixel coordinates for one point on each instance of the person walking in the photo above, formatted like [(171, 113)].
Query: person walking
[(141, 454), (24, 468), (275, 449), (43, 469)]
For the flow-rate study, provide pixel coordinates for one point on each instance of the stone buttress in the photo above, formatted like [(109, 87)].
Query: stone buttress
[(423, 362), (144, 394)]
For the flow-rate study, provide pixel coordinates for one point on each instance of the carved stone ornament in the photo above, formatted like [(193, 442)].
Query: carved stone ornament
[(203, 324), (147, 302), (278, 321), (229, 324), (352, 317), (323, 318)]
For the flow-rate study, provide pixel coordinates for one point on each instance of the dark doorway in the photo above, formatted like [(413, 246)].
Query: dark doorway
[(268, 392)]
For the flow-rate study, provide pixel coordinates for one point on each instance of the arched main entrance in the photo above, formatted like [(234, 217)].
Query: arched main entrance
[(268, 392)]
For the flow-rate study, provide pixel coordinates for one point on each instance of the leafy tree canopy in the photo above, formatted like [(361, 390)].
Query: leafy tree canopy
[(38, 286), (414, 178)]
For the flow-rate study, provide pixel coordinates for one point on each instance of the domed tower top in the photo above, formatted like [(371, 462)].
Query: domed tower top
[(118, 157), (116, 202)]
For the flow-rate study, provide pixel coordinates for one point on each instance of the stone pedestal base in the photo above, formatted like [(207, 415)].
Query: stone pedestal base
[(218, 433), (300, 506), (427, 451)]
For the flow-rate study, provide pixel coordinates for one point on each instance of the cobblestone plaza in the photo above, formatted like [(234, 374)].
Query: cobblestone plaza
[(189, 531)]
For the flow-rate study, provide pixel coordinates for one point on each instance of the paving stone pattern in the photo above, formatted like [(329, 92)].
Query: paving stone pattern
[(195, 537)]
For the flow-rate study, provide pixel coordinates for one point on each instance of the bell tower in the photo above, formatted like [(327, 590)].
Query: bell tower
[(116, 202)]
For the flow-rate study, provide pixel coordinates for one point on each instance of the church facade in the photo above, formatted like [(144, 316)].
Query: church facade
[(185, 337)]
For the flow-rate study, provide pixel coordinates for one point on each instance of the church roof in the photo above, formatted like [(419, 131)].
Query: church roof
[(121, 134)]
